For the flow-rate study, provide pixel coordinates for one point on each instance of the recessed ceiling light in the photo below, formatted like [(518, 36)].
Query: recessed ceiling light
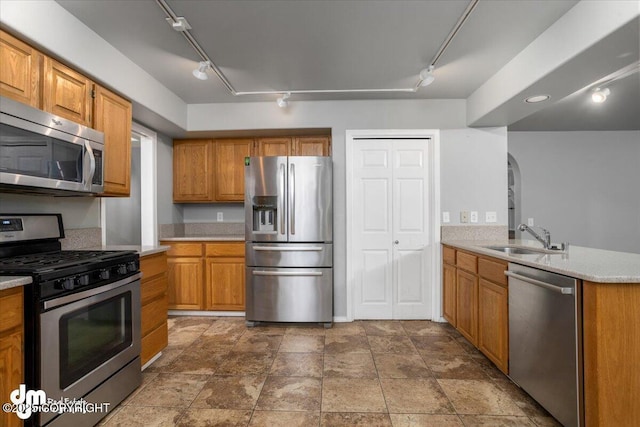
[(537, 98), (600, 95)]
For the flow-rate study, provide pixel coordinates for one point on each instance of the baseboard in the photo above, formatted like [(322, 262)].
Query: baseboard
[(206, 313), (340, 319)]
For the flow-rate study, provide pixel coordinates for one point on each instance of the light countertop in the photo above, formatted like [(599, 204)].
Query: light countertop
[(142, 250), (595, 265), (8, 282), (218, 238)]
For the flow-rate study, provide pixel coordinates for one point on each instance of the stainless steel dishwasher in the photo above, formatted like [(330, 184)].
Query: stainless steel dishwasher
[(543, 340)]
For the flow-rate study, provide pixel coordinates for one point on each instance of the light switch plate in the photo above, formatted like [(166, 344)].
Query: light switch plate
[(446, 218), (474, 216), (530, 222), (491, 216), (464, 217), (220, 216)]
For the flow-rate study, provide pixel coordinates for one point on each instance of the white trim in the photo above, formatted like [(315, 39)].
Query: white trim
[(148, 184), (341, 319), (150, 361), (434, 211), (206, 313)]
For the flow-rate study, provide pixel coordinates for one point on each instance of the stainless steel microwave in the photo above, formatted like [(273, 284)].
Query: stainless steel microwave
[(44, 153)]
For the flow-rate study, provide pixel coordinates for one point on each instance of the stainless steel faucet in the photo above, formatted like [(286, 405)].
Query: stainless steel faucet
[(546, 240)]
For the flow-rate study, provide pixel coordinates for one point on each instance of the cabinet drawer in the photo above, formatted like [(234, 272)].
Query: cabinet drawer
[(467, 261), (493, 270), (449, 255), (154, 342), (10, 308), (184, 249), (153, 265), (153, 289), (235, 249), (154, 314)]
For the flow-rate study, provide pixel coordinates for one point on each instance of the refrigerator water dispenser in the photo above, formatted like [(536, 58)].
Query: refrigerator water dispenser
[(265, 213)]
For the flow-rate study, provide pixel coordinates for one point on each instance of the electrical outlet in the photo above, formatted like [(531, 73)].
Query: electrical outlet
[(530, 222), (446, 218), (220, 216), (474, 216), (464, 217), (491, 216)]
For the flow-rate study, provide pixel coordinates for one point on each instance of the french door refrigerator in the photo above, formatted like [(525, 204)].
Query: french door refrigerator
[(289, 235)]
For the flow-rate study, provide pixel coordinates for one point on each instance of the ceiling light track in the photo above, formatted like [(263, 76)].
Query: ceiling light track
[(426, 76)]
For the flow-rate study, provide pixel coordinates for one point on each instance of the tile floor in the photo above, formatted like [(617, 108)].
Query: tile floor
[(217, 372)]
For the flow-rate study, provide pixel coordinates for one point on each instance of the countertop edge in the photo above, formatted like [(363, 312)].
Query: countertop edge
[(222, 238), (478, 248), (9, 282), (141, 250)]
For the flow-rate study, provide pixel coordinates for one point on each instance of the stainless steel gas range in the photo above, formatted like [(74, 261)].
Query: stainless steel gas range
[(82, 318)]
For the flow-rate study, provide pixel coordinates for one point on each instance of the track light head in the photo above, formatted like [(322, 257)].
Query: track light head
[(426, 76), (600, 95), (180, 24), (282, 101), (201, 71)]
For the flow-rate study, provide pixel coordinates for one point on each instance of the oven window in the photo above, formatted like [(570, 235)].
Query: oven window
[(93, 335), (29, 153)]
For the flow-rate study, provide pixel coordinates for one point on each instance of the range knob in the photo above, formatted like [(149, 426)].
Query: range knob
[(82, 280), (66, 284), (131, 267), (104, 274), (122, 269)]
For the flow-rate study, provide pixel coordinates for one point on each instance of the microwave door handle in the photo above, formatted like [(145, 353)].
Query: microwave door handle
[(92, 166)]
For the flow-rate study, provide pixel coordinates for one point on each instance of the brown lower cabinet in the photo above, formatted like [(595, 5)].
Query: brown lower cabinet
[(206, 275), (153, 296), (11, 349), (475, 301)]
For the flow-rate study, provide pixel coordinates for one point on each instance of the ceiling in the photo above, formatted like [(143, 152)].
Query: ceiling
[(333, 45)]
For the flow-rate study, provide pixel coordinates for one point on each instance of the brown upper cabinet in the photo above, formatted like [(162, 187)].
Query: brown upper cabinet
[(113, 117), (20, 68), (67, 93), (297, 146), (193, 164), (32, 78), (273, 147), (229, 174)]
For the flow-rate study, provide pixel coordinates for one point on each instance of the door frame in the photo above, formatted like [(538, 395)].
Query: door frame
[(149, 188), (434, 210)]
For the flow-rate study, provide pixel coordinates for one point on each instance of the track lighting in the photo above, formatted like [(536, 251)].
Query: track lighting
[(180, 24), (426, 76), (201, 71), (282, 101), (600, 95)]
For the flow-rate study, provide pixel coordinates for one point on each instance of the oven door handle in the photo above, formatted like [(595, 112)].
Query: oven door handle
[(57, 302)]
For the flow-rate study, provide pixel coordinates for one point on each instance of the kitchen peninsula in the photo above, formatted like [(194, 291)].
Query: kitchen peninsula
[(608, 321)]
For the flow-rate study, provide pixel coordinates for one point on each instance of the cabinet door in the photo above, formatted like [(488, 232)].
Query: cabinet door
[(449, 293), (185, 280), (229, 171), (493, 323), (312, 146), (113, 117), (11, 375), (467, 305), (193, 171), (225, 283), (67, 93), (19, 70), (274, 147)]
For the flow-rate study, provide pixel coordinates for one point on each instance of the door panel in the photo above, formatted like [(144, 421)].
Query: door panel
[(310, 199), (390, 206)]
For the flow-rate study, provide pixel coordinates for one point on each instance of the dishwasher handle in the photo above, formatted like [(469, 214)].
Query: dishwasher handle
[(559, 289)]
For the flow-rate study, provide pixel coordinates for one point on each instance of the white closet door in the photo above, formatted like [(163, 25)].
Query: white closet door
[(390, 217)]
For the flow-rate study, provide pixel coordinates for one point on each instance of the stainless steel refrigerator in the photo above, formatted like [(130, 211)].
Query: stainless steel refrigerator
[(289, 235)]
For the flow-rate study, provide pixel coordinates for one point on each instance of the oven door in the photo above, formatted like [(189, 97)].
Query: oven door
[(87, 337)]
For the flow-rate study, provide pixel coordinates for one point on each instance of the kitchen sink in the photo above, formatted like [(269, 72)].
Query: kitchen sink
[(519, 251)]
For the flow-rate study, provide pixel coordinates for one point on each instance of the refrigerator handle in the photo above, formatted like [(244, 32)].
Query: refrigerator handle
[(292, 192), (281, 196)]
